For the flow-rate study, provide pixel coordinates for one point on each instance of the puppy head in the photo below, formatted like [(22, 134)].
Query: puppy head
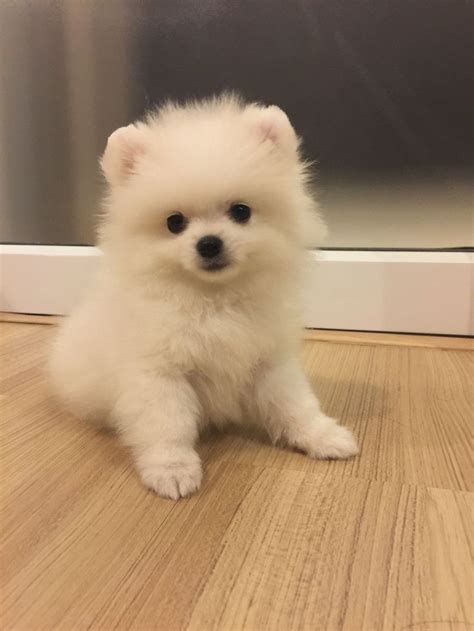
[(210, 191)]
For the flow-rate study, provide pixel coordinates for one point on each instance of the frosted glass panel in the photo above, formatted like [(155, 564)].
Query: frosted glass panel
[(380, 91)]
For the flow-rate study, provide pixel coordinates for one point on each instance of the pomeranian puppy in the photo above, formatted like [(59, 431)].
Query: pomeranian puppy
[(195, 315)]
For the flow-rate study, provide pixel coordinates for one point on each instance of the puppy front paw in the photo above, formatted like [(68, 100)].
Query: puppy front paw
[(327, 440), (172, 479), (336, 442)]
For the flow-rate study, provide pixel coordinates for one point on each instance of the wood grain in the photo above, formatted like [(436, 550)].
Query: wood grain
[(273, 540)]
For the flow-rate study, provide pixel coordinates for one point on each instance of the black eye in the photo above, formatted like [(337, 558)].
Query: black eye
[(176, 223), (240, 213)]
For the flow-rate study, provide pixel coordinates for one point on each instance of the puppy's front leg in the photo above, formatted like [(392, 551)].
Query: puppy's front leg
[(291, 412), (158, 418)]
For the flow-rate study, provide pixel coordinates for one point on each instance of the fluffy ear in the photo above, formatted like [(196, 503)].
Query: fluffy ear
[(274, 126), (123, 149)]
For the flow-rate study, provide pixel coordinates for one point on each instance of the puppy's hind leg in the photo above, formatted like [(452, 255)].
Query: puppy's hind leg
[(290, 411), (158, 418)]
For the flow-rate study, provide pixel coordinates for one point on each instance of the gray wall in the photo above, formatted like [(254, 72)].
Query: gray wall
[(380, 92)]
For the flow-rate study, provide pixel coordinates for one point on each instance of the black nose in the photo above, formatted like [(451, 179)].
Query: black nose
[(209, 246)]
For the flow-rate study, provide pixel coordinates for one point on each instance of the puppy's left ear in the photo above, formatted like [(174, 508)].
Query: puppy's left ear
[(124, 148), (274, 126)]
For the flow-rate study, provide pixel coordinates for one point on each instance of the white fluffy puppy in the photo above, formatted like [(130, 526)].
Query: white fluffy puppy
[(195, 317)]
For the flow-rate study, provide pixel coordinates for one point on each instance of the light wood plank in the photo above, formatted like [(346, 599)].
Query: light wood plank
[(330, 553)]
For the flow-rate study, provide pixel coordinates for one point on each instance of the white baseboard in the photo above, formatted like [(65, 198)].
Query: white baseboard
[(404, 292), (44, 279), (410, 292)]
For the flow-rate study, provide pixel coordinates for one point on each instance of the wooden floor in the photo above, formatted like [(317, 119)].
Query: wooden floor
[(274, 541)]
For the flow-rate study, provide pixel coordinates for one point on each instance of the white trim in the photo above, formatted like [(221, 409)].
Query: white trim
[(412, 292), (44, 279), (404, 292)]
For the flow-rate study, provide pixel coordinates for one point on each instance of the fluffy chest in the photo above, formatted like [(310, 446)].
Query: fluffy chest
[(218, 347), (225, 343), (220, 357)]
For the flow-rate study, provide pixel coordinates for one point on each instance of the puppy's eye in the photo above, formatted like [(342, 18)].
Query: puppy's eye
[(176, 223), (240, 213)]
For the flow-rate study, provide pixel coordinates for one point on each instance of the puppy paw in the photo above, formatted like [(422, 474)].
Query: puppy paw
[(172, 479), (327, 440), (336, 442)]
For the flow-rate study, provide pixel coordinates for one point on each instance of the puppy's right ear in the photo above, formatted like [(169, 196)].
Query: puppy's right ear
[(124, 147), (273, 125)]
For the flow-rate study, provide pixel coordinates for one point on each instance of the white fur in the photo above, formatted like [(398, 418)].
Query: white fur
[(162, 347)]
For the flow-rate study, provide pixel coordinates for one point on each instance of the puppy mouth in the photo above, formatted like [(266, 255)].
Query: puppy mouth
[(214, 265)]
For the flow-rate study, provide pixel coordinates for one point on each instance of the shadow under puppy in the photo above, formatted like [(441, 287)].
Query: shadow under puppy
[(195, 315)]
